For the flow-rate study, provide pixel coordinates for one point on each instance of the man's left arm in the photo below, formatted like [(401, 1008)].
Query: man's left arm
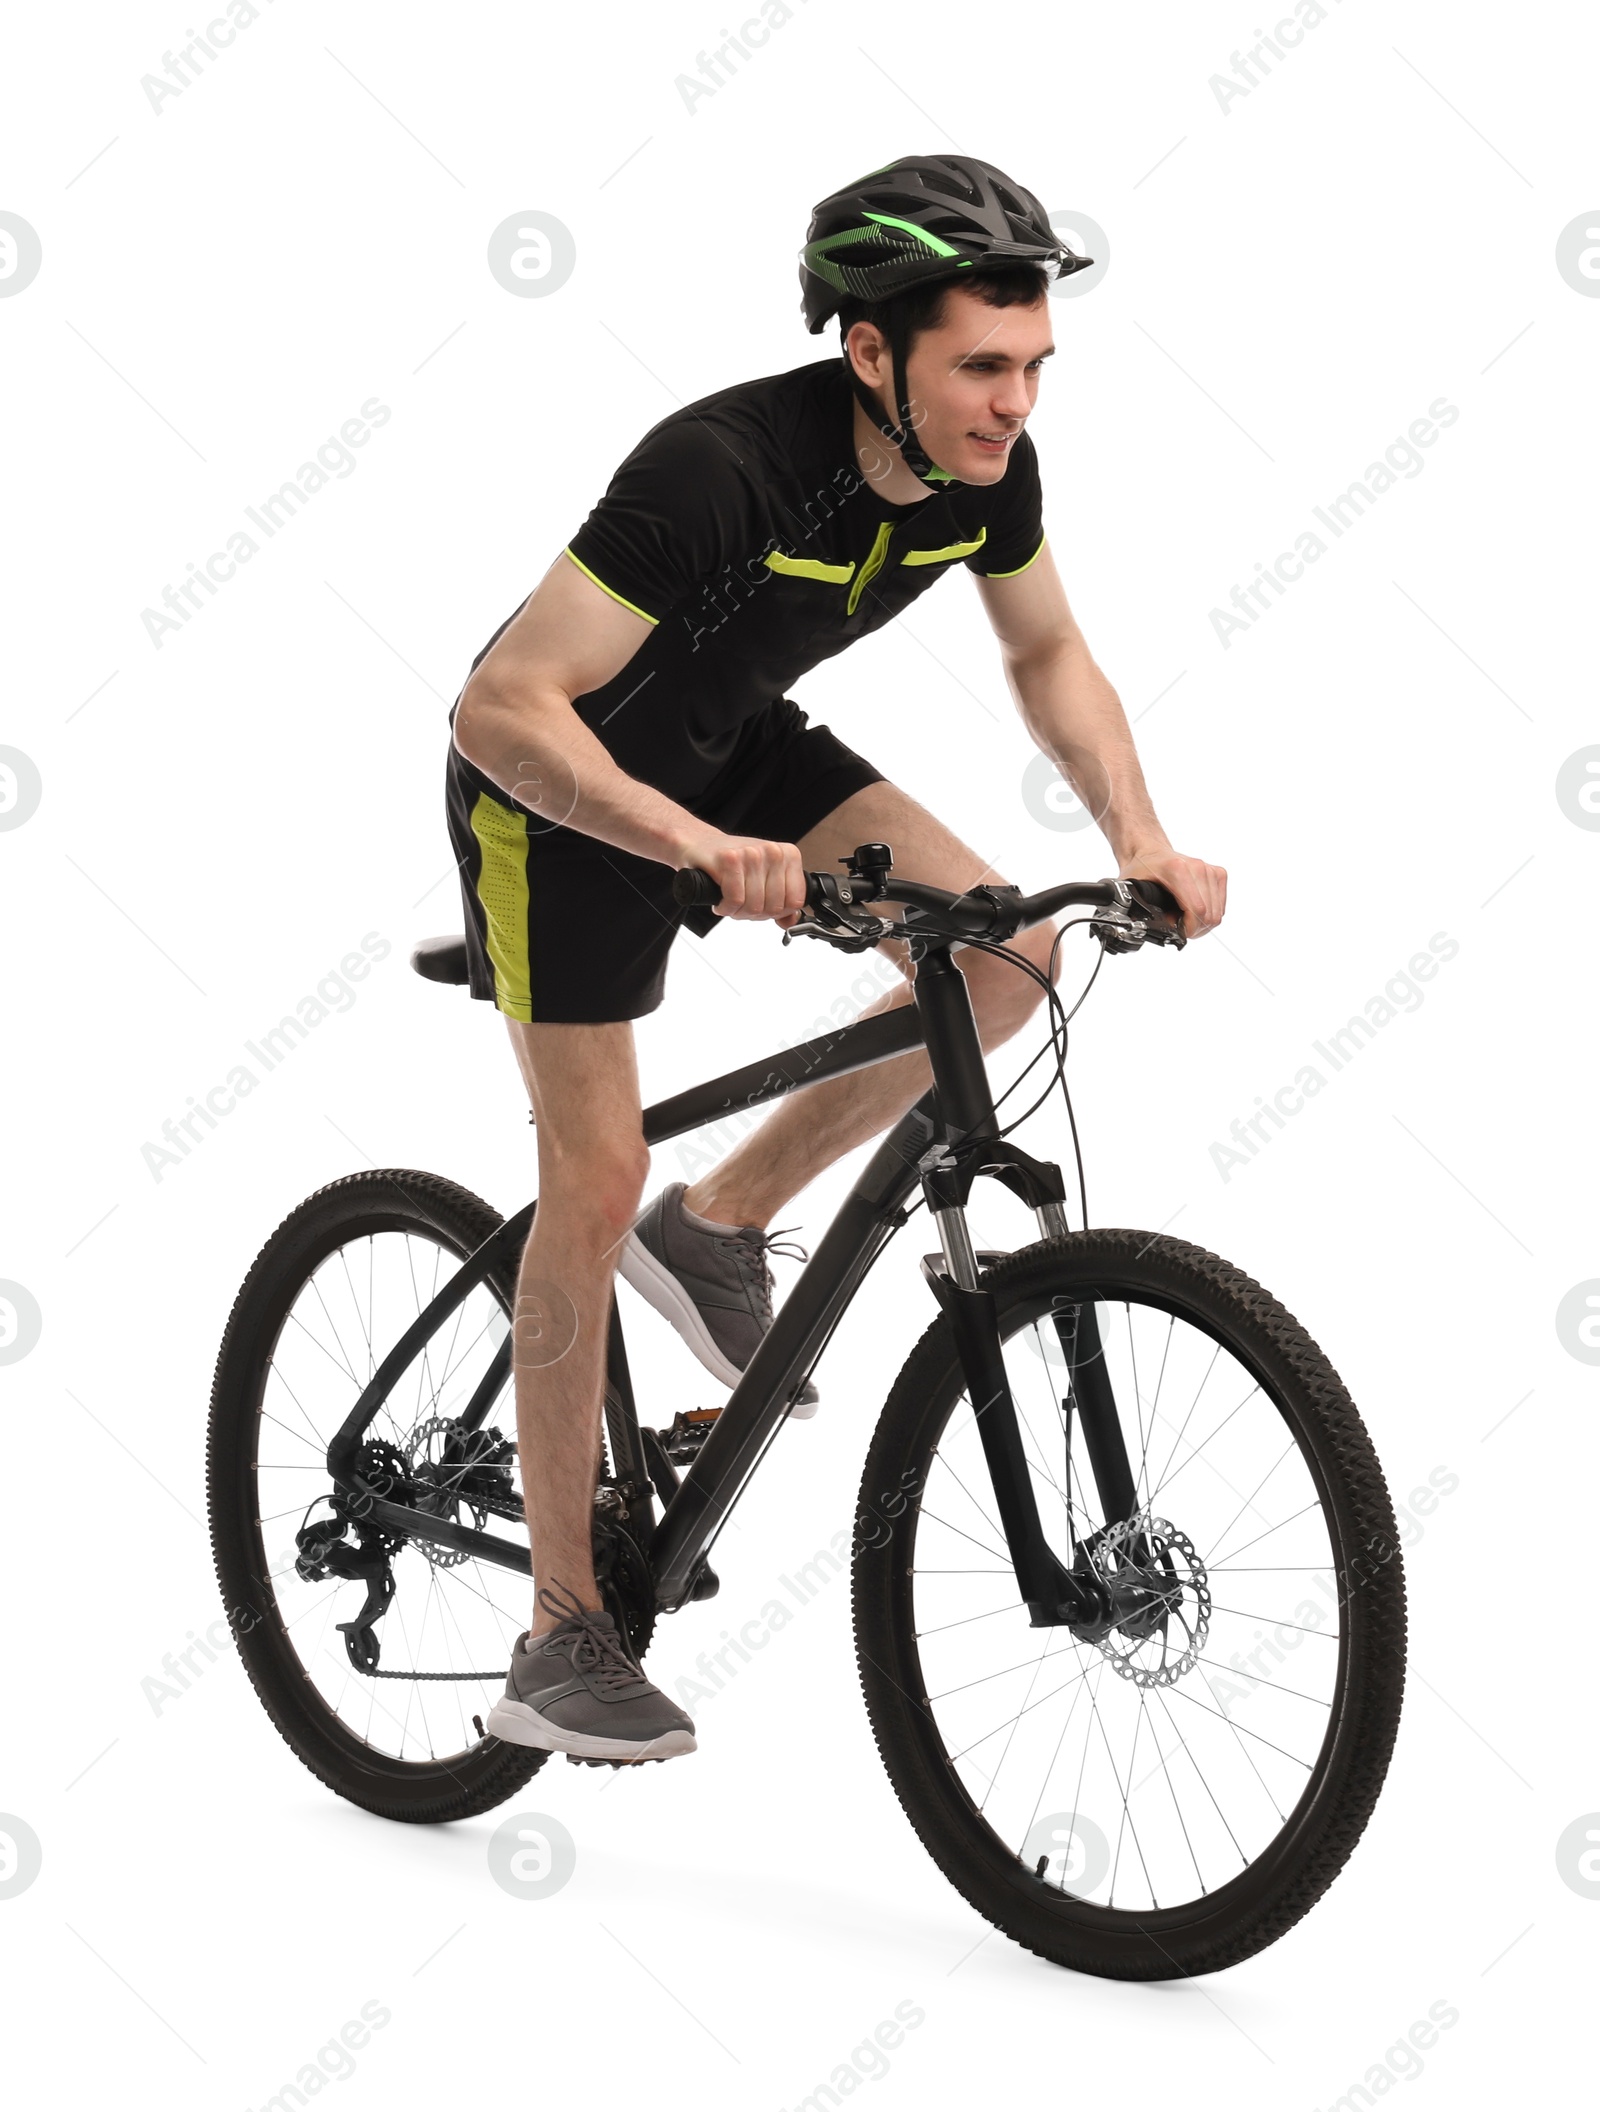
[(1076, 718)]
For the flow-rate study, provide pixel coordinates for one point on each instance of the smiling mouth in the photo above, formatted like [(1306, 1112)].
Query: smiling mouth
[(994, 439)]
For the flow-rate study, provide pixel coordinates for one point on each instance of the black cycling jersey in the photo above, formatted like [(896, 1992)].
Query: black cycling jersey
[(744, 532)]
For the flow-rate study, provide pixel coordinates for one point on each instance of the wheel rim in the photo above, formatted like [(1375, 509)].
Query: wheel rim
[(1144, 1773), (447, 1634)]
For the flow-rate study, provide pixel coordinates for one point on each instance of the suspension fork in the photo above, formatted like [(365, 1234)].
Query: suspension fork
[(1052, 1593), (1049, 1590), (1091, 1395), (965, 1119)]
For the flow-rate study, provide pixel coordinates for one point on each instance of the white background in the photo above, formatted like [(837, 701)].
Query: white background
[(1292, 282)]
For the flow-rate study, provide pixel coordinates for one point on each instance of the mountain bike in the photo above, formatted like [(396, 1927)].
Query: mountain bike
[(1128, 1600)]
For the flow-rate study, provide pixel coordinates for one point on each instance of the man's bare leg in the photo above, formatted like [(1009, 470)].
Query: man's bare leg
[(593, 1164), (808, 1131), (583, 1086)]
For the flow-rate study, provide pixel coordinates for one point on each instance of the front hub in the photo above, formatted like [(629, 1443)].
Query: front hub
[(1157, 1598)]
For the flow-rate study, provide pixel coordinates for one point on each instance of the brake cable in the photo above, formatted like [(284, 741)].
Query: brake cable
[(1059, 1041), (1060, 1021)]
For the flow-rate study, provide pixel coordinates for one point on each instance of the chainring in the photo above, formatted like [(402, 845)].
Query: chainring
[(627, 1587)]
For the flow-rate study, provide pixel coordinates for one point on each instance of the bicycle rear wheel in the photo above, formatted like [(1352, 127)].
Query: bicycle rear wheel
[(332, 1290), (1167, 1798)]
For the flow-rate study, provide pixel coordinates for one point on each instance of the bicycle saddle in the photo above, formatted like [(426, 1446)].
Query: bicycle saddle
[(441, 960)]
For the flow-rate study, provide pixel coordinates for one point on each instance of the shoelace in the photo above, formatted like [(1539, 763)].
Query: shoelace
[(595, 1650), (753, 1246)]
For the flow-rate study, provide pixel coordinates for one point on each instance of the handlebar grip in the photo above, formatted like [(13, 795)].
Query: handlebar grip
[(1153, 895), (694, 889)]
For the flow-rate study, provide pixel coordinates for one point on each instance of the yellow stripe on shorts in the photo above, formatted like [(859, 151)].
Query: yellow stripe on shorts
[(502, 834)]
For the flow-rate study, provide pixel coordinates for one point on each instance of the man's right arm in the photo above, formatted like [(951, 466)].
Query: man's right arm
[(516, 724)]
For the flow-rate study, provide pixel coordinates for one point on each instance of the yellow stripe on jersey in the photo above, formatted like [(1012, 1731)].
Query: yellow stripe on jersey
[(632, 607), (1020, 568), (950, 550), (871, 565), (808, 568)]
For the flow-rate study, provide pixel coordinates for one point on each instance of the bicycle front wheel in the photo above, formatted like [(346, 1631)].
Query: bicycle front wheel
[(1170, 1796)]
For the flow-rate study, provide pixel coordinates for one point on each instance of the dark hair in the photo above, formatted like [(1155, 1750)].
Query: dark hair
[(1001, 285)]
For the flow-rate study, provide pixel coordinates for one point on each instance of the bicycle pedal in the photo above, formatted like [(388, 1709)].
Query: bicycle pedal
[(690, 1429), (588, 1760)]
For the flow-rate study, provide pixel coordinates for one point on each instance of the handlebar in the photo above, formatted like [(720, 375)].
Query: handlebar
[(694, 889), (1129, 913)]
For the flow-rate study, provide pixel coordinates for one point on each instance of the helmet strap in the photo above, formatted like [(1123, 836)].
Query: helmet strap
[(903, 436)]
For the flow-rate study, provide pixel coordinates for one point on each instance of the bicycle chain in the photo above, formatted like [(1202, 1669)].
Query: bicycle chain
[(378, 1672)]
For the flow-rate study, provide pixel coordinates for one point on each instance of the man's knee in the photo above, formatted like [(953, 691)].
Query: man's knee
[(1038, 944), (1000, 989), (598, 1186)]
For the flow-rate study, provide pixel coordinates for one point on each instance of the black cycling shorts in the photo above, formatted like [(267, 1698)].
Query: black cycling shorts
[(562, 926)]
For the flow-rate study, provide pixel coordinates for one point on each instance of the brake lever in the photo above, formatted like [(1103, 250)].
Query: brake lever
[(1119, 930), (848, 938)]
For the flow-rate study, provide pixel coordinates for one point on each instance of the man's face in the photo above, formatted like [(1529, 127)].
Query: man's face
[(972, 382)]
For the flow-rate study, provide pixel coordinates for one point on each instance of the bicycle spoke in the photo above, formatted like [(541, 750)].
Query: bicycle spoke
[(340, 1363), (1328, 1635), (1184, 1748), (1038, 1667), (1044, 1781), (1313, 1505), (1202, 1451), (1249, 1502), (1155, 1410), (1001, 1674), (1259, 1679), (299, 1440), (1005, 1720), (1188, 1417), (366, 1329), (993, 1524), (949, 1528), (969, 1618)]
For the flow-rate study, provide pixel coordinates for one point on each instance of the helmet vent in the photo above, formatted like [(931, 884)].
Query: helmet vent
[(936, 180)]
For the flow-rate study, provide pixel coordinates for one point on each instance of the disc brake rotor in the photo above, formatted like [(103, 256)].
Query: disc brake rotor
[(1155, 1579), (436, 1492)]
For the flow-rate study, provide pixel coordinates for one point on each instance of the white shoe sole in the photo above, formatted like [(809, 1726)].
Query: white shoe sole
[(658, 1287), (518, 1724)]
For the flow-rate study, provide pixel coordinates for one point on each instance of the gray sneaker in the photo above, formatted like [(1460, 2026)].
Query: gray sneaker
[(714, 1287), (576, 1690)]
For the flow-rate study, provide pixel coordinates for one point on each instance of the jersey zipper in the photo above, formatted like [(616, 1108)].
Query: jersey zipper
[(871, 566)]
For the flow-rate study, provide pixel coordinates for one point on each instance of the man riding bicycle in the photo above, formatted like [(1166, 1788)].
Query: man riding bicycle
[(631, 718)]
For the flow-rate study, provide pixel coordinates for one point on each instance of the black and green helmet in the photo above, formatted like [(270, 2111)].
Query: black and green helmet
[(921, 218), (918, 220)]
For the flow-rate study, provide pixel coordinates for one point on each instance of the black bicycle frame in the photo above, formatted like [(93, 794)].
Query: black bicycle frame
[(948, 1138)]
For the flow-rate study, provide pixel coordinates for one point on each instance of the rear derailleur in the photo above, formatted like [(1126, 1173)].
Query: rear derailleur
[(443, 1470)]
